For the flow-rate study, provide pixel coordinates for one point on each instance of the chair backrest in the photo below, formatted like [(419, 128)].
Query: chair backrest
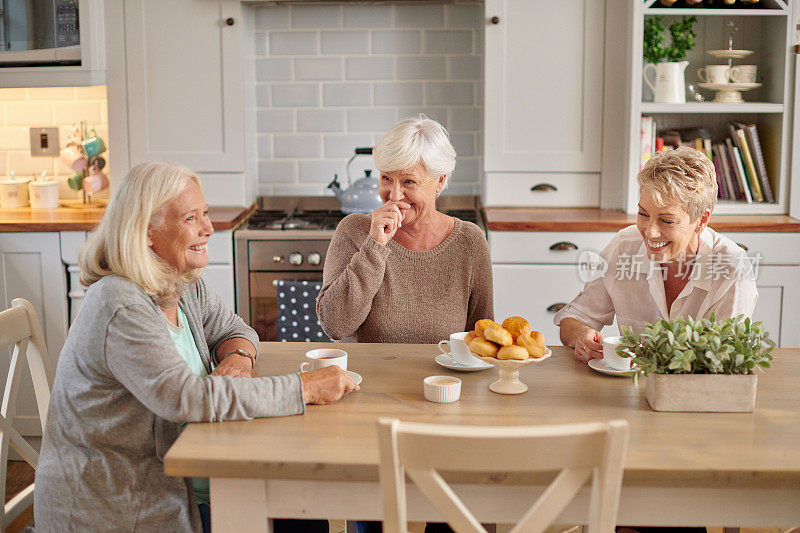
[(581, 452), (20, 331)]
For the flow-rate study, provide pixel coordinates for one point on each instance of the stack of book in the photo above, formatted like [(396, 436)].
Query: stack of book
[(738, 159)]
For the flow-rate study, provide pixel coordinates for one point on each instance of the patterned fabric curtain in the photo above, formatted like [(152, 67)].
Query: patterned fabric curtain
[(297, 312)]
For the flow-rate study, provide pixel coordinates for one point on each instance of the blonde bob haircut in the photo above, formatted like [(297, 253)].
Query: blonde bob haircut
[(684, 177), (119, 243), (416, 140)]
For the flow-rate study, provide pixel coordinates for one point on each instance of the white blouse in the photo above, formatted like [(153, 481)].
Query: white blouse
[(631, 287)]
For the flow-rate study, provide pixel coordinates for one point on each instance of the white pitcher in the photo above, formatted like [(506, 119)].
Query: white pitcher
[(669, 87)]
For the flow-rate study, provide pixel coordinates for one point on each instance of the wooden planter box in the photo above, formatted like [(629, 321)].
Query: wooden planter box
[(714, 393)]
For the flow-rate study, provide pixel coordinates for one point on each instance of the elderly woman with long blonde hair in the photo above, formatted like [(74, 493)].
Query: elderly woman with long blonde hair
[(669, 265), (151, 349)]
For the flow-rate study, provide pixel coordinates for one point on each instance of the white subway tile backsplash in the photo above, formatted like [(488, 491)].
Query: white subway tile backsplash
[(464, 119), (274, 18), (346, 94), (50, 93), (273, 69), (344, 145), (275, 120), (14, 138), (449, 93), (369, 68), (439, 114), (418, 16), (322, 16), (285, 43), (318, 69), (260, 44), (12, 95), (396, 42), (464, 16), (295, 95), (297, 146), (465, 68), (272, 171), (447, 41), (367, 16), (28, 113), (24, 165), (97, 92), (372, 119), (70, 113), (398, 93), (345, 42), (263, 95), (467, 169), (264, 146), (421, 68), (320, 120), (297, 189), (464, 143), (321, 171)]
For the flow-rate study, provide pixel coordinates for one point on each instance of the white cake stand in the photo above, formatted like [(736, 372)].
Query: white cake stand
[(729, 93), (509, 382)]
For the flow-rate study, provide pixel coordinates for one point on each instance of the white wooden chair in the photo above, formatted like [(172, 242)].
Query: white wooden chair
[(20, 329), (581, 452)]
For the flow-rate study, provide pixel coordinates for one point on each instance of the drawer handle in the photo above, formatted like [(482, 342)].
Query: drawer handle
[(543, 187), (742, 246), (555, 308), (563, 246)]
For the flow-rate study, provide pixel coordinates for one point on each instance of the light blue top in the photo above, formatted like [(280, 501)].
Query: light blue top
[(187, 348)]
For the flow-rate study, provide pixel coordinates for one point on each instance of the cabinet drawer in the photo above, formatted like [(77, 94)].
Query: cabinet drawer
[(775, 248), (545, 246), (546, 189)]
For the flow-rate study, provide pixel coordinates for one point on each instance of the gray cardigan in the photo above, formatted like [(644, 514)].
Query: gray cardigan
[(121, 392)]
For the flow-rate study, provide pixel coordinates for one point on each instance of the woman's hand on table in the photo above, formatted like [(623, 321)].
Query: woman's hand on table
[(235, 366), (588, 344), (386, 220), (326, 385)]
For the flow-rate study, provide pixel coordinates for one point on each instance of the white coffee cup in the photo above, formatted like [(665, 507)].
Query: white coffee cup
[(323, 357), (610, 357), (458, 349), (717, 74), (442, 389), (744, 73), (43, 194)]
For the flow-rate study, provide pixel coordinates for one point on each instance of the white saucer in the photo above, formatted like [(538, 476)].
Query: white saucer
[(600, 366), (446, 360), (356, 377)]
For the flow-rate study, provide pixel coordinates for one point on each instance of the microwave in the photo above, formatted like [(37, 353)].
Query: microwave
[(39, 33)]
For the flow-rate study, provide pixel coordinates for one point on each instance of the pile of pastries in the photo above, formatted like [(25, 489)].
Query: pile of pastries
[(513, 339)]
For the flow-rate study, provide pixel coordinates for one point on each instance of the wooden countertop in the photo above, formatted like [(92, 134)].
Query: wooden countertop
[(85, 219), (338, 442), (591, 219)]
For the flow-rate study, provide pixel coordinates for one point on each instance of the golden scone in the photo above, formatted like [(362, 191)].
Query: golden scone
[(538, 338), (481, 325), (512, 352), (482, 347), (469, 337), (516, 325), (533, 348), (498, 334)]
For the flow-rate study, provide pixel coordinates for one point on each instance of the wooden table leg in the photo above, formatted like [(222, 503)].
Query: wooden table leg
[(239, 505)]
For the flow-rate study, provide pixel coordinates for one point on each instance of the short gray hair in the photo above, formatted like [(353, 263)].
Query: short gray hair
[(684, 177), (119, 243), (416, 140)]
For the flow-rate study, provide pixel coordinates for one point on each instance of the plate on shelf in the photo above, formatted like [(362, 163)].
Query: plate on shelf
[(729, 54), (730, 86)]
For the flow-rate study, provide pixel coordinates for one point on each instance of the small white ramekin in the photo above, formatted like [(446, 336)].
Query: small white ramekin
[(442, 393)]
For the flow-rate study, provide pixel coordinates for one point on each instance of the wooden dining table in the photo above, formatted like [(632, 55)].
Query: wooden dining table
[(704, 469)]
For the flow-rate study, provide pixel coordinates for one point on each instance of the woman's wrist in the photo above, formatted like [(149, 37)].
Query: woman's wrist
[(244, 354)]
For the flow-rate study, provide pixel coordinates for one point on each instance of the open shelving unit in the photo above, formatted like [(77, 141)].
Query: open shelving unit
[(770, 32)]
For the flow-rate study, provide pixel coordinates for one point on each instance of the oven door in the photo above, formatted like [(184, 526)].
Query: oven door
[(264, 300)]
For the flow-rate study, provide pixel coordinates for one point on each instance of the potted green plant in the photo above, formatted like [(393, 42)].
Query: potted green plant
[(668, 84), (700, 365)]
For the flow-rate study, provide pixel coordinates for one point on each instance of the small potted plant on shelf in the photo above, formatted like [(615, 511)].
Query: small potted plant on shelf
[(700, 365), (667, 62)]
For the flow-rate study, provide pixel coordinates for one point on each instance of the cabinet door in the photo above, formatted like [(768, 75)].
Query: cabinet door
[(778, 294), (31, 268), (184, 83), (544, 85)]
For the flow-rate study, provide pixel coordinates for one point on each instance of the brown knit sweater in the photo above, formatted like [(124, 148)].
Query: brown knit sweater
[(372, 293)]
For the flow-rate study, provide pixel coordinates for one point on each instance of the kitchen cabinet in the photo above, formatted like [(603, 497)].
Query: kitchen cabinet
[(176, 89), (543, 104), (91, 54), (31, 268)]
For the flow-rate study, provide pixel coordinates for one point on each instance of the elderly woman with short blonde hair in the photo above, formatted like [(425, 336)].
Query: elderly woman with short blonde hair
[(669, 265), (151, 349), (406, 272)]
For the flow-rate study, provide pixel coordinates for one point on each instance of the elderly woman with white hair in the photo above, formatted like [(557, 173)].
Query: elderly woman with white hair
[(669, 265), (152, 349), (407, 272)]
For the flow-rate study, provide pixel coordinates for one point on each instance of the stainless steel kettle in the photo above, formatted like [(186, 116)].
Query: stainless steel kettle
[(362, 195)]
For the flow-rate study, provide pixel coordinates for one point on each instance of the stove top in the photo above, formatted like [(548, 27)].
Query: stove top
[(316, 219)]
